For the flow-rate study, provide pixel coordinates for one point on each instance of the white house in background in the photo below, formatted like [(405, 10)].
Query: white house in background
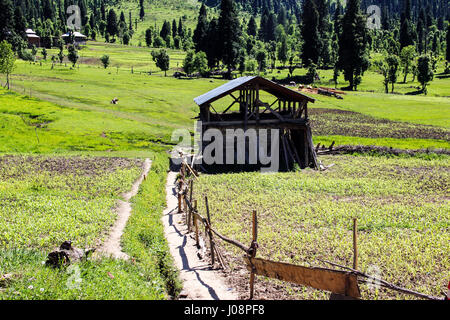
[(79, 39), (33, 38)]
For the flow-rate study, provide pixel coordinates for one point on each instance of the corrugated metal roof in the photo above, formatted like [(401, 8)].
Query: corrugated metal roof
[(267, 85), (223, 89)]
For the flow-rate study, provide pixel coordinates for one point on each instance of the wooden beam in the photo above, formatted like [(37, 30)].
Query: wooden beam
[(336, 281)]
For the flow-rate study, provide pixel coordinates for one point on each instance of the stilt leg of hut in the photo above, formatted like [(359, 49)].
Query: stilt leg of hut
[(311, 149)]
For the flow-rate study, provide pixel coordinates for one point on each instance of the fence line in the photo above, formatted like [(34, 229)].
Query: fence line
[(342, 284)]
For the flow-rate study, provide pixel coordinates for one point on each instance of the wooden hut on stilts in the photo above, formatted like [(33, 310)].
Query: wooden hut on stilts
[(288, 113)]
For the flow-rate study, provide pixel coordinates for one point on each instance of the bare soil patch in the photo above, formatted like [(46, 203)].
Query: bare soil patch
[(348, 123)]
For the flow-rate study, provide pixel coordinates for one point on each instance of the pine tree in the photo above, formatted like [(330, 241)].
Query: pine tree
[(47, 10), (20, 23), (263, 26), (353, 57), (421, 32), (283, 51), (447, 53), (174, 28), (406, 34), (166, 31), (141, 10), (6, 18), (180, 28), (73, 55), (148, 37), (252, 28), (230, 33), (424, 72), (201, 31), (213, 53), (271, 26), (310, 33), (111, 24)]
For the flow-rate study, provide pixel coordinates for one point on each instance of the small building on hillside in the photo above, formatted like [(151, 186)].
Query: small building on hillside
[(78, 38), (262, 105), (33, 38)]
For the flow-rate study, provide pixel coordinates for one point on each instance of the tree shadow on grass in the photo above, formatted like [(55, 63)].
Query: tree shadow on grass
[(414, 93)]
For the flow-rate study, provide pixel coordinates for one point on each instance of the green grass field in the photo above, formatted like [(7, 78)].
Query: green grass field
[(152, 106)]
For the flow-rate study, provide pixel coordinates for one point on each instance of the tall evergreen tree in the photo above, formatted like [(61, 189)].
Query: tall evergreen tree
[(141, 9), (20, 23), (310, 33), (213, 53), (6, 18), (271, 27), (166, 31), (263, 26), (201, 31), (406, 34), (230, 32), (111, 24), (353, 57), (174, 28), (447, 53), (252, 28), (180, 28)]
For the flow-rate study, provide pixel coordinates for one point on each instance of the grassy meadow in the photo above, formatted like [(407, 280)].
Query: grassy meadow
[(151, 106)]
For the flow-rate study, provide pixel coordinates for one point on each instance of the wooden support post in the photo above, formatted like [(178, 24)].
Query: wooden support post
[(194, 217), (191, 190), (253, 253), (355, 243), (180, 196), (211, 241)]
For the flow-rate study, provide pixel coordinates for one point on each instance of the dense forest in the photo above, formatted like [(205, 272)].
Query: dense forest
[(329, 34)]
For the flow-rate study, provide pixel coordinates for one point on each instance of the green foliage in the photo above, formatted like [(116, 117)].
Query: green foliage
[(425, 72), (148, 37), (105, 61), (72, 55), (407, 56), (7, 60), (188, 63), (353, 54), (162, 60)]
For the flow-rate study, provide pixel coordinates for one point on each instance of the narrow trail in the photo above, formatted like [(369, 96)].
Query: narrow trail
[(111, 247), (200, 282)]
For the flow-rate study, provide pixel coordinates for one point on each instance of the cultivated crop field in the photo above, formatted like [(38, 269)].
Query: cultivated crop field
[(47, 200), (402, 206)]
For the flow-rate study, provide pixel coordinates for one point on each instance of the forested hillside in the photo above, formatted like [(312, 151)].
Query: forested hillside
[(253, 35)]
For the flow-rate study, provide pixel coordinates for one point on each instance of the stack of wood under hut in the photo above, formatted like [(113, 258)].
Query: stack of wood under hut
[(258, 103)]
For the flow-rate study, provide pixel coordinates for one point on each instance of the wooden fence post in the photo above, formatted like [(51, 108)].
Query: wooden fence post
[(253, 252), (195, 223), (180, 196), (211, 242), (355, 243)]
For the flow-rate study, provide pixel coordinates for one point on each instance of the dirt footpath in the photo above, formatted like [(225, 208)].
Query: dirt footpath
[(112, 246), (199, 281)]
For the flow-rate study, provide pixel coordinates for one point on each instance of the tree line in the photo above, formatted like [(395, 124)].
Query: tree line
[(296, 33)]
